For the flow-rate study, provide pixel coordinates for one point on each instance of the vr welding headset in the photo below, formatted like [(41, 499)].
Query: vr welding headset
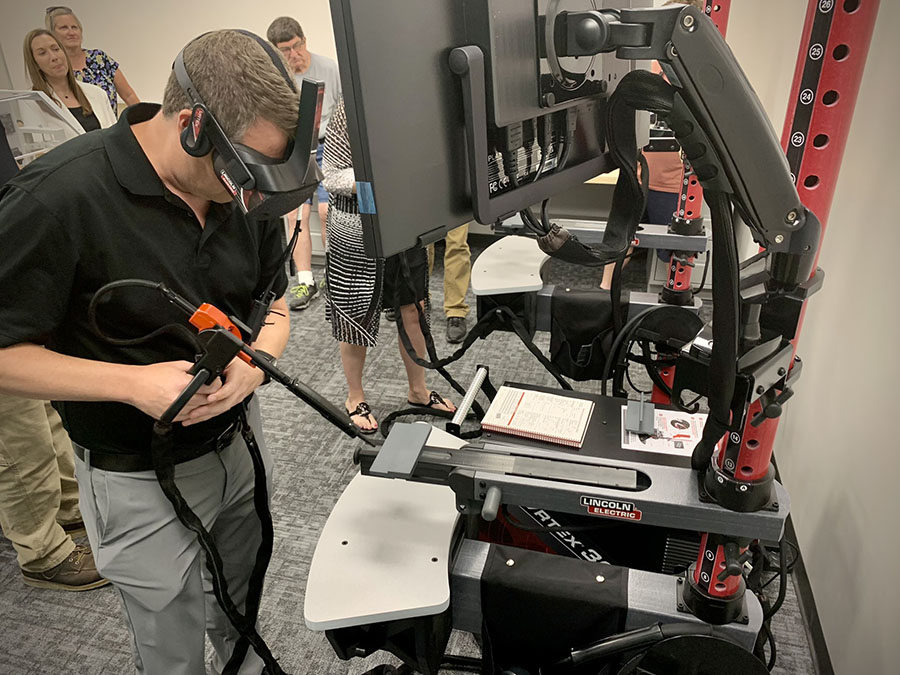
[(263, 187)]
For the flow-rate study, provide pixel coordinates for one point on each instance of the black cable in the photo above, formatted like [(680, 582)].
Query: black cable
[(426, 334), (782, 587), (531, 222), (652, 366), (796, 558), (617, 343), (705, 270), (545, 155), (465, 664), (769, 582), (562, 156), (545, 220), (773, 651), (172, 328), (722, 370), (528, 146), (633, 385)]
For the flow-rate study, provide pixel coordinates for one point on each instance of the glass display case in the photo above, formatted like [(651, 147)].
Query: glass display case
[(33, 124)]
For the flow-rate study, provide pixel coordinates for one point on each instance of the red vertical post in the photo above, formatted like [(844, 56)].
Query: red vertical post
[(833, 51), (827, 77)]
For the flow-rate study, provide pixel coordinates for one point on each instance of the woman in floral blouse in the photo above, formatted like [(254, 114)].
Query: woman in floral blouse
[(93, 66)]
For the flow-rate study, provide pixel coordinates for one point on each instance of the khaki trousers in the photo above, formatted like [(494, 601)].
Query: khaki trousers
[(37, 483), (457, 270)]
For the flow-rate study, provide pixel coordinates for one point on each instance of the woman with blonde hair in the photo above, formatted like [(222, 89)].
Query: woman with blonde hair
[(51, 72), (93, 66)]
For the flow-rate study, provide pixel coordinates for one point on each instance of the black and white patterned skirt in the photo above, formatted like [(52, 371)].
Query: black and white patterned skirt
[(354, 281)]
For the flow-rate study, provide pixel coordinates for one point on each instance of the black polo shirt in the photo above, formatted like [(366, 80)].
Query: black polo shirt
[(92, 211)]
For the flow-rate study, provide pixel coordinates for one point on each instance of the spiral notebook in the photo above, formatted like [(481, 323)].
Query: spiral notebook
[(539, 415)]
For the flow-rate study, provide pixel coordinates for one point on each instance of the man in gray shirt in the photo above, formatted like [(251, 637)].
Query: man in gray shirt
[(286, 34)]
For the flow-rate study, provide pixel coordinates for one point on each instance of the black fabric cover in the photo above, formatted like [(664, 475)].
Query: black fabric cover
[(8, 166), (638, 90), (538, 609), (581, 332)]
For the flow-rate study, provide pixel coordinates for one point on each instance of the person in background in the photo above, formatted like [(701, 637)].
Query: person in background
[(287, 35), (50, 71), (457, 272), (358, 285), (39, 498), (664, 181), (38, 493), (93, 66)]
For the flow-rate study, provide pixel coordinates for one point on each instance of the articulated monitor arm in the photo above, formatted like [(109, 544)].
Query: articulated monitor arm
[(725, 133), (718, 120)]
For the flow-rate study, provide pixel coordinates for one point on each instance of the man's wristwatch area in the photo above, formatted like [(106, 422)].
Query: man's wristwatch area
[(271, 359)]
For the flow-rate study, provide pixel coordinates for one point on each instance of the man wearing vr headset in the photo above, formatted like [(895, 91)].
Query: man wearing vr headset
[(154, 197)]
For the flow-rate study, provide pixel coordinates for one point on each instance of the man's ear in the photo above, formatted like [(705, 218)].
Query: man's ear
[(183, 118)]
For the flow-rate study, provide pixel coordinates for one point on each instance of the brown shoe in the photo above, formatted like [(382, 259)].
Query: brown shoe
[(76, 573), (75, 529)]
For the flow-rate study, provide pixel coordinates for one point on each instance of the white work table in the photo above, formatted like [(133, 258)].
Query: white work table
[(383, 553)]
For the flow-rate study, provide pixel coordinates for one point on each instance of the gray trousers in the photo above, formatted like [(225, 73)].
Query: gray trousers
[(156, 564)]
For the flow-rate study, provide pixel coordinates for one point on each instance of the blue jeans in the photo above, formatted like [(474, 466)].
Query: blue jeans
[(321, 193), (660, 207)]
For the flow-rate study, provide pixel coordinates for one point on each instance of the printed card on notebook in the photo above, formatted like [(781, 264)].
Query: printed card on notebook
[(675, 433), (538, 415)]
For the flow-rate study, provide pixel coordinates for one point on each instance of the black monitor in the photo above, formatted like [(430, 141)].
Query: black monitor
[(462, 108), (407, 113)]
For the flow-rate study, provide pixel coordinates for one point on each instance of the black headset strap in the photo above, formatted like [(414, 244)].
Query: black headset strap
[(213, 130)]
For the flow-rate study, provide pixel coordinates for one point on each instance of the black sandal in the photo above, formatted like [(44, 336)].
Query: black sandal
[(434, 399), (362, 410)]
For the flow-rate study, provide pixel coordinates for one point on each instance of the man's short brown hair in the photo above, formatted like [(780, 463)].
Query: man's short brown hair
[(284, 29), (237, 81)]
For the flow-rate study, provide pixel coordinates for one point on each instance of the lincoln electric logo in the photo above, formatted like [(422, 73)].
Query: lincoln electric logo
[(610, 508), (226, 180), (197, 123)]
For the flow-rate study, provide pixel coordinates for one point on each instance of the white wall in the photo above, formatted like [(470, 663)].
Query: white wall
[(838, 446), (145, 36)]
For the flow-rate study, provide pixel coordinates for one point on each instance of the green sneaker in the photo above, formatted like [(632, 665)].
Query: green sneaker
[(300, 295)]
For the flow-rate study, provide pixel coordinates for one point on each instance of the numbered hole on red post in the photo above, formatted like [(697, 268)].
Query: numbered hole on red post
[(830, 97), (752, 444), (820, 140), (841, 52), (851, 6), (746, 470), (720, 587), (810, 181)]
